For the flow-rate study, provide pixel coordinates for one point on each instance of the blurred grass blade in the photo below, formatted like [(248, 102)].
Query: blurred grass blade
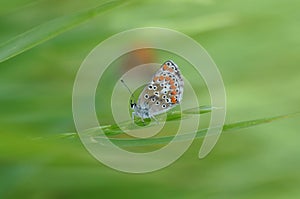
[(245, 124), (124, 142), (48, 30)]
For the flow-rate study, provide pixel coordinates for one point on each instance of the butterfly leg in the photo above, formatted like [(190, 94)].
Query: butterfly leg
[(143, 121), (156, 120), (132, 116)]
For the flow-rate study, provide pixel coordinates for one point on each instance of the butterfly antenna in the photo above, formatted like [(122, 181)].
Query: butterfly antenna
[(132, 96)]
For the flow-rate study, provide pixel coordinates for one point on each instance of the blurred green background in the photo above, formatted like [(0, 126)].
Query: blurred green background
[(256, 45)]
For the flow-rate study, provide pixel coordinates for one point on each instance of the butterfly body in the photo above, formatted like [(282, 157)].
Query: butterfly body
[(163, 92)]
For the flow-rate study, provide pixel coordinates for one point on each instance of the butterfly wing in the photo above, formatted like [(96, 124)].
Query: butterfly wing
[(165, 90)]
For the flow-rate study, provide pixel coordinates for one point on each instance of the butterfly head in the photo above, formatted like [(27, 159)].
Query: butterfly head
[(132, 104)]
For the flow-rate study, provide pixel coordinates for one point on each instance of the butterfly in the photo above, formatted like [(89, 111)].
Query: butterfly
[(162, 93)]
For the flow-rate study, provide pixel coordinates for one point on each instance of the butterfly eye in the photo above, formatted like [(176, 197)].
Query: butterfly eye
[(146, 96), (163, 106), (154, 87), (150, 87)]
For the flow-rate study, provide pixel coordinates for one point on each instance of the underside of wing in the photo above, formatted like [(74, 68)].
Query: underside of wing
[(164, 91)]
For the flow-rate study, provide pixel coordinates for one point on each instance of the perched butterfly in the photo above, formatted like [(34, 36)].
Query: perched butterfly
[(164, 92)]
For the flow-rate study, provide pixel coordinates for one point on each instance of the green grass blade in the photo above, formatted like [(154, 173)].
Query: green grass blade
[(244, 124), (48, 30), (183, 137), (171, 116)]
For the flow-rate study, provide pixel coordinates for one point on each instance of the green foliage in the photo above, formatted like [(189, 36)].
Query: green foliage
[(48, 30), (256, 47)]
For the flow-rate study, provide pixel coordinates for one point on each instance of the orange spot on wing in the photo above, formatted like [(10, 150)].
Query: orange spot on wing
[(171, 82), (161, 78), (173, 100), (173, 87), (170, 69), (155, 79), (165, 67), (173, 92), (168, 78)]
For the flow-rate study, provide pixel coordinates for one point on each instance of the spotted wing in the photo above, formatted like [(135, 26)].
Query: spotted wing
[(165, 90)]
